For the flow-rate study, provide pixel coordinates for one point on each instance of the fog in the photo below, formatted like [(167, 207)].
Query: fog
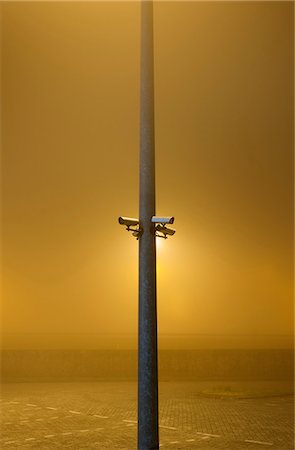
[(224, 154)]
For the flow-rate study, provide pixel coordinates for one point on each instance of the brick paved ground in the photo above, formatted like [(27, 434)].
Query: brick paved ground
[(103, 416)]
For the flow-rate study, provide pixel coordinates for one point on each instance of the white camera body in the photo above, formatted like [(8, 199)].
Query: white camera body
[(128, 221), (164, 230), (162, 220)]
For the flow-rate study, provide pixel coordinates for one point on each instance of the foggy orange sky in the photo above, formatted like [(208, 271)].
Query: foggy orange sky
[(224, 154)]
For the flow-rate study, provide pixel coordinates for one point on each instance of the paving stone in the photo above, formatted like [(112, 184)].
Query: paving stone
[(103, 416)]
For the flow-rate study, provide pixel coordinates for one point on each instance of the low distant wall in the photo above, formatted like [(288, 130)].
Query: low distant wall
[(75, 365)]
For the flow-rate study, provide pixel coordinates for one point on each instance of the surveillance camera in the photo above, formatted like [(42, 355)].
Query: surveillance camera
[(128, 221), (164, 230), (162, 220)]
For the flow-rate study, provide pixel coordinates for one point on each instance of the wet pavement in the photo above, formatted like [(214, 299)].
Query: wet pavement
[(102, 415)]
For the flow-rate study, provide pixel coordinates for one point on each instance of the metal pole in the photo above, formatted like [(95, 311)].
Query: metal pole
[(148, 428)]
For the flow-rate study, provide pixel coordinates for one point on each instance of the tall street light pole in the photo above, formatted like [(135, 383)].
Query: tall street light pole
[(146, 229), (148, 428)]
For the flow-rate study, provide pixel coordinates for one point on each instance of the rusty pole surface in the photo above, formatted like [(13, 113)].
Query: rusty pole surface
[(148, 428)]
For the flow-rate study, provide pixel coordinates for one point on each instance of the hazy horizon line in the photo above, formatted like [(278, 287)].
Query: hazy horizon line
[(159, 334)]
